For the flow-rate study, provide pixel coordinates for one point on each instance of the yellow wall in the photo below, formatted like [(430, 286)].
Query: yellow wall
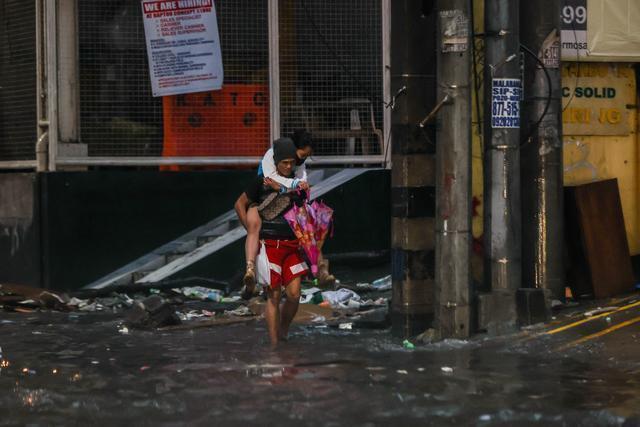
[(597, 157), (476, 152)]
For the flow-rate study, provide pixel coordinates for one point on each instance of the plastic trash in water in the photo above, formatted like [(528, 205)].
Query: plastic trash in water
[(446, 369), (307, 295), (346, 326), (408, 345), (382, 284), (340, 298), (599, 310), (310, 291), (202, 293), (241, 311), (318, 300)]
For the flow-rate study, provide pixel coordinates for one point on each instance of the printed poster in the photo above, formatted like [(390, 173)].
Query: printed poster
[(505, 103), (183, 46)]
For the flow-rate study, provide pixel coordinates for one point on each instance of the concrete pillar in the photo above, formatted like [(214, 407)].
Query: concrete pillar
[(413, 64), (542, 169), (453, 172)]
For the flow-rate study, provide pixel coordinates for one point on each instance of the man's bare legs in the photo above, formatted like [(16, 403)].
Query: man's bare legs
[(278, 322), (272, 314), (290, 306)]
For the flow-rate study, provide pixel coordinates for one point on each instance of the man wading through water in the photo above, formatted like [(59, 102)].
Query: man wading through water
[(282, 246)]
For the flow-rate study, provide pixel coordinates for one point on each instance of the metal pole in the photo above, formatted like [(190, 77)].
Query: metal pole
[(502, 213), (413, 167), (42, 143), (51, 67), (68, 73), (453, 171), (274, 70), (542, 172), (386, 79)]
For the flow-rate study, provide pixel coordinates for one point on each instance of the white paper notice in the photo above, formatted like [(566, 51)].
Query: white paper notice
[(183, 46)]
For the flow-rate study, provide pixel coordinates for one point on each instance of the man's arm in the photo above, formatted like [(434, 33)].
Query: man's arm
[(241, 206)]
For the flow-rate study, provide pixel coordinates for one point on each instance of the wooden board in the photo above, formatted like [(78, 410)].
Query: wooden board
[(599, 260)]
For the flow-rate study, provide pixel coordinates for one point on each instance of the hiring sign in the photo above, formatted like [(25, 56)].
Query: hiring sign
[(183, 46)]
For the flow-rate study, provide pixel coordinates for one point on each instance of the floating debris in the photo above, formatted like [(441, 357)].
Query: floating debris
[(201, 293), (599, 310), (241, 311), (408, 345)]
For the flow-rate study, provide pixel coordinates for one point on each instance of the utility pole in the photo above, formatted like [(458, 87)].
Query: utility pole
[(502, 210), (542, 171), (413, 167), (453, 171)]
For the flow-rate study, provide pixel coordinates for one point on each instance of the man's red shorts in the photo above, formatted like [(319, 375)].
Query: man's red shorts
[(285, 260)]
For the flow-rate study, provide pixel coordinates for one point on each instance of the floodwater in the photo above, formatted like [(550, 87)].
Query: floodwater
[(61, 369)]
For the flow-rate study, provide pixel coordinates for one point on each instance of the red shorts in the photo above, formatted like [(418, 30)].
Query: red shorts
[(285, 260)]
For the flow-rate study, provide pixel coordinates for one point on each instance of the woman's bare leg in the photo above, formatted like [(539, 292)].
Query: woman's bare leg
[(253, 234), (251, 251)]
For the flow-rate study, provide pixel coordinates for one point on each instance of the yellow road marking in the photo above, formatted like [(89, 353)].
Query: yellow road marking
[(588, 319), (601, 333)]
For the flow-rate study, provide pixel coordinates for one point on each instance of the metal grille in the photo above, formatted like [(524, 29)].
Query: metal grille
[(331, 73), (119, 116), (233, 121), (18, 110)]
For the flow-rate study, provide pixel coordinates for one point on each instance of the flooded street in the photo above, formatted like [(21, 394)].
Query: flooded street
[(77, 368)]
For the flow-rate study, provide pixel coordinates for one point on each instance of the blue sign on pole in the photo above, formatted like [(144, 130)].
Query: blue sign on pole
[(505, 103)]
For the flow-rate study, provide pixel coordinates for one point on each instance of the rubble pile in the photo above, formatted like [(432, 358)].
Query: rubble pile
[(345, 306)]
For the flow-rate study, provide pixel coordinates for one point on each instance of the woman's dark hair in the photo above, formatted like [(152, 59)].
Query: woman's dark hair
[(302, 139)]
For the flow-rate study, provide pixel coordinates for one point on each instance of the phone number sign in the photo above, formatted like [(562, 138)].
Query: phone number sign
[(505, 103)]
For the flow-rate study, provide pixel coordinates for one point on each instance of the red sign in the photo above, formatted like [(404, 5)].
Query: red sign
[(233, 121)]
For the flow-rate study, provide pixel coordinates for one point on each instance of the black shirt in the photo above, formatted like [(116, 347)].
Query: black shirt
[(277, 228)]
